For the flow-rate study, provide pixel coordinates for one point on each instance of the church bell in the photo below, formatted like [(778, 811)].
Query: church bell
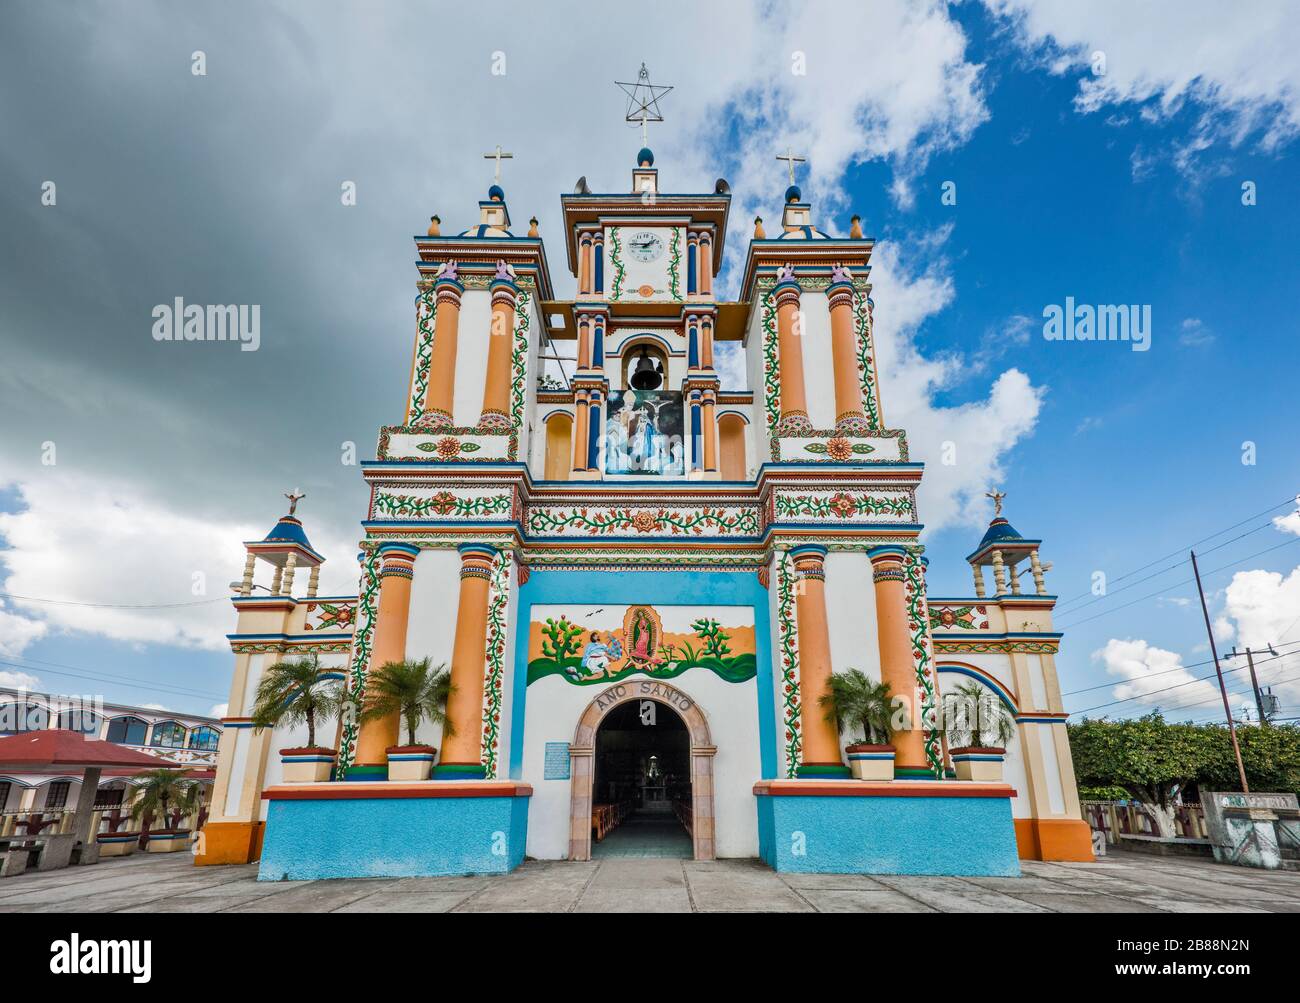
[(648, 373)]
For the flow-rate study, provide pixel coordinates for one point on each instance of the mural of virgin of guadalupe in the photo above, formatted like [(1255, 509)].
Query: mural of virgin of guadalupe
[(642, 641)]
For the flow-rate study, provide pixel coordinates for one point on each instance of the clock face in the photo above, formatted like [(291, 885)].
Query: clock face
[(646, 246)]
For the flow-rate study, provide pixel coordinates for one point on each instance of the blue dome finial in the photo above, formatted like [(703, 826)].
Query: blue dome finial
[(793, 194), (645, 157), (496, 193)]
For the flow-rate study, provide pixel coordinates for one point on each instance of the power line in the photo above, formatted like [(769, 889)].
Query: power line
[(1176, 686), (109, 605), (1180, 550), (76, 672), (1187, 581), (1172, 567), (1163, 672)]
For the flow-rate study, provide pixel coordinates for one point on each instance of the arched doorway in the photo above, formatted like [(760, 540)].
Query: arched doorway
[(625, 706)]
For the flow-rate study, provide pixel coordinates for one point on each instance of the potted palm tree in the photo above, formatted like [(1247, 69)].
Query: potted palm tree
[(415, 691), (855, 701), (977, 716), (157, 793), (291, 693)]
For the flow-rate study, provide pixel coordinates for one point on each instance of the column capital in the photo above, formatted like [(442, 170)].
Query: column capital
[(809, 560), (786, 293), (397, 559), (888, 554), (839, 294), (476, 559)]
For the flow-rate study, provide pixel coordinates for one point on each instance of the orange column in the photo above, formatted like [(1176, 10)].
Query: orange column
[(706, 343), (706, 265), (710, 431), (496, 389), (849, 415), (794, 407), (580, 432), (462, 743), (397, 565), (896, 665), (584, 343), (442, 365), (821, 740), (584, 265)]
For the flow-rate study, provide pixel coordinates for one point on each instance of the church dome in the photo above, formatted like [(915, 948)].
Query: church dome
[(496, 194), (288, 530), (645, 158), (484, 230), (803, 233), (999, 531)]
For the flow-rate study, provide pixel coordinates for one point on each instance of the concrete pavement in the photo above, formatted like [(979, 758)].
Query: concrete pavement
[(1122, 882)]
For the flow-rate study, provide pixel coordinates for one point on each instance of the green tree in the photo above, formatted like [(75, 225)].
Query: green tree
[(292, 692), (157, 791), (854, 699), (1148, 757), (413, 689)]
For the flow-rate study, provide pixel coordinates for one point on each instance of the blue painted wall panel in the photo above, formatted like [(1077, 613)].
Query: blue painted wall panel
[(393, 837), (888, 835)]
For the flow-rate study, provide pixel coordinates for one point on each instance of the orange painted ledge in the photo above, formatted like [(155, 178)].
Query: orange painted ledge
[(230, 843), (382, 789), (882, 789), (1065, 839)]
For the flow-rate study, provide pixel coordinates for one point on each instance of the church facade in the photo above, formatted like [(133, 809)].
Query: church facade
[(643, 581)]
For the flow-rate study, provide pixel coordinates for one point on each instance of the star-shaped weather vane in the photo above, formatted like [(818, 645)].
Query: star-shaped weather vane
[(643, 101)]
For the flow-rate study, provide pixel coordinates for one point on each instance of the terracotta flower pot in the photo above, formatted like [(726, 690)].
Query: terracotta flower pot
[(871, 762), (974, 762), (310, 764), (410, 762)]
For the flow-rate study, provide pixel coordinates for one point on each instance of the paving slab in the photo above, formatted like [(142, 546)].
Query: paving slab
[(956, 894), (1084, 902), (741, 887), (390, 900), (862, 900)]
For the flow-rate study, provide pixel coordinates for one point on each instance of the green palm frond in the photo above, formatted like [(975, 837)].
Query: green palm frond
[(415, 690), (292, 692), (856, 699)]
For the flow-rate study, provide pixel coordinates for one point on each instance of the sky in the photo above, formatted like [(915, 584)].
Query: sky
[(1006, 155)]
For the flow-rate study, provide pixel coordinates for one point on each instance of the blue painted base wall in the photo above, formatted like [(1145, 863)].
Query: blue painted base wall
[(888, 835), (393, 838)]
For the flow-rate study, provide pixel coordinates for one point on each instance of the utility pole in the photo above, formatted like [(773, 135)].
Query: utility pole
[(1223, 689), (1254, 682)]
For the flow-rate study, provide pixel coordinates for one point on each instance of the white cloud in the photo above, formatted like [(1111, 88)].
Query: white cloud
[(1147, 669), (1193, 333), (219, 710), (981, 431), (16, 630), (1235, 66), (19, 680), (1289, 523), (91, 545)]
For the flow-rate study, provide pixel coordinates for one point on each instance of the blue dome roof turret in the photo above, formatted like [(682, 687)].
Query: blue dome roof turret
[(645, 157), (288, 530), (999, 531), (496, 194), (793, 194)]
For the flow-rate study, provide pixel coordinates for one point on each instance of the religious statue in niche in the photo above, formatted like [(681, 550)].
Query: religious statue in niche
[(643, 433)]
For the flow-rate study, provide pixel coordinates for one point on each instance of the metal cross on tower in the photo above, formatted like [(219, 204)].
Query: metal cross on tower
[(643, 101), (791, 160), (498, 155)]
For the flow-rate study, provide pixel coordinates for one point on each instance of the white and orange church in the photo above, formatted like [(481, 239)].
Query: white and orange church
[(642, 583)]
